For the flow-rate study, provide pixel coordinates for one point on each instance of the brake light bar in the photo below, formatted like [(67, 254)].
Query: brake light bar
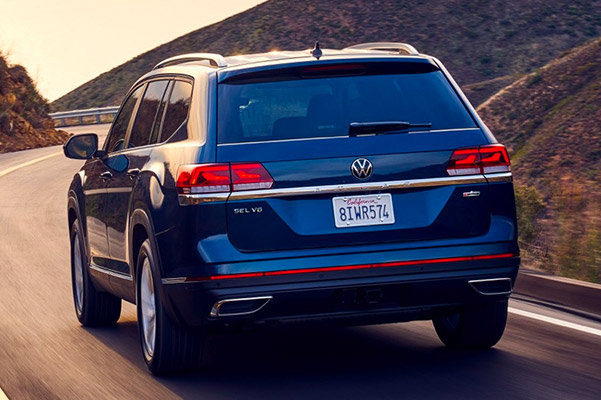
[(222, 178), (350, 267), (334, 67), (482, 160)]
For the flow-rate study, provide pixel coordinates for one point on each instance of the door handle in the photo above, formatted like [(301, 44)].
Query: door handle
[(132, 173), (106, 175)]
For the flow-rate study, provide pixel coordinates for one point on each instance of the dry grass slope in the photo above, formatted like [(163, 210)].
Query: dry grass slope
[(24, 120), (477, 40), (550, 121)]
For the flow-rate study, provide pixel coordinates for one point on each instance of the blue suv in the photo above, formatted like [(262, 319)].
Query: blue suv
[(353, 186)]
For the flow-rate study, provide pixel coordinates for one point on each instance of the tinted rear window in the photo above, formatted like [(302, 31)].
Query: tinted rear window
[(322, 107), (177, 108), (147, 112)]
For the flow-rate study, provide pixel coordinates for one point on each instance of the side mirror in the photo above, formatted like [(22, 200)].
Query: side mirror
[(81, 147)]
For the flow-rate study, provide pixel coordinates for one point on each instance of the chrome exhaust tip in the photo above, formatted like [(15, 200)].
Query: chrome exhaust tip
[(242, 306), (492, 287)]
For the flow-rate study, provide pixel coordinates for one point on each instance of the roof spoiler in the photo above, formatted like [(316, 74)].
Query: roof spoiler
[(401, 48)]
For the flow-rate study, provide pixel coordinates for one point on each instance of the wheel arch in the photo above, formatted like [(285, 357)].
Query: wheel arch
[(141, 228), (74, 214)]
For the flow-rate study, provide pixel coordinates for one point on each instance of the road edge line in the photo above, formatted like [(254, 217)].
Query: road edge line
[(28, 163), (555, 321)]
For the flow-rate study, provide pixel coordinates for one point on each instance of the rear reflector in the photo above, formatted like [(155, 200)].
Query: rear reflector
[(222, 178), (350, 267), (420, 262), (483, 160)]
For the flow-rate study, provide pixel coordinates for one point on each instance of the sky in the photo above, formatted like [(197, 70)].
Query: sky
[(65, 43)]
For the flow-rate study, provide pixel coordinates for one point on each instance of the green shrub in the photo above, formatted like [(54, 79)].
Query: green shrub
[(529, 205), (534, 79)]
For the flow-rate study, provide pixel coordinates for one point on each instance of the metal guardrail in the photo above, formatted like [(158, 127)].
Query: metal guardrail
[(570, 293), (102, 115)]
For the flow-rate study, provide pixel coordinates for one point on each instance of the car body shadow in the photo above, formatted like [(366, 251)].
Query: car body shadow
[(314, 362)]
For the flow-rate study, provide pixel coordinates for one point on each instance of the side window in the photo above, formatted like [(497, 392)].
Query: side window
[(156, 129), (147, 113), (177, 108), (119, 128)]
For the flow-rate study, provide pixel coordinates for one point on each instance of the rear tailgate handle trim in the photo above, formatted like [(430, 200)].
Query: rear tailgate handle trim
[(358, 187), (187, 199)]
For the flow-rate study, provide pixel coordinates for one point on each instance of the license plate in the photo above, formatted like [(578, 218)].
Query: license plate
[(373, 209)]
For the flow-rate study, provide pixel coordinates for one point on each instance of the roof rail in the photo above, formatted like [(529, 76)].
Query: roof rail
[(401, 48), (215, 60)]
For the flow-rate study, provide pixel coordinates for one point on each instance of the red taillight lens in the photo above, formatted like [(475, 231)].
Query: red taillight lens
[(207, 178), (464, 162), (222, 178), (250, 176), (484, 160), (494, 159)]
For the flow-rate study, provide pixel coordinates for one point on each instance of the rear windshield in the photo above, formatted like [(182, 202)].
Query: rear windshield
[(325, 107)]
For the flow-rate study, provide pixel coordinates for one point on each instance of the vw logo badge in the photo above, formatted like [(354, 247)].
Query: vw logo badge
[(362, 168)]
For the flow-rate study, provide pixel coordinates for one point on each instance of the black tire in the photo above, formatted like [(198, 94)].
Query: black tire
[(478, 327), (175, 347), (92, 307)]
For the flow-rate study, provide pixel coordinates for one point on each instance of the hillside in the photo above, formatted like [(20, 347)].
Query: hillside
[(24, 120), (485, 44), (550, 121)]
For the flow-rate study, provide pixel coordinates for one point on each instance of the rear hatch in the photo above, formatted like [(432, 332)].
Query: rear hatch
[(332, 185)]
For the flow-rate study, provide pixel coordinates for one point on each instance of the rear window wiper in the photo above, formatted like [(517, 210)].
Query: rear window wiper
[(382, 128)]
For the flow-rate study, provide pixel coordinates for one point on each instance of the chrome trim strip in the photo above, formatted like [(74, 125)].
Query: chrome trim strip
[(340, 137), (476, 281), (215, 310), (199, 198), (358, 187), (110, 272), (500, 177), (118, 190), (170, 281), (284, 140), (92, 192)]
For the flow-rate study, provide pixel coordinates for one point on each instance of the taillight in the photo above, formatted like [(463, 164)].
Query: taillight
[(483, 160), (494, 159), (222, 178), (464, 162), (250, 177), (207, 178)]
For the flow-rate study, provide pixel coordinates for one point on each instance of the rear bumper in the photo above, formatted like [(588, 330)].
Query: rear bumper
[(365, 296)]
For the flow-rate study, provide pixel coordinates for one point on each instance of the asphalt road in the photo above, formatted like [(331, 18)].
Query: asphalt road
[(45, 353)]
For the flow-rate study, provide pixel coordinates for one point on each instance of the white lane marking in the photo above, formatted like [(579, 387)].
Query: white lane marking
[(3, 395), (555, 321), (26, 164)]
